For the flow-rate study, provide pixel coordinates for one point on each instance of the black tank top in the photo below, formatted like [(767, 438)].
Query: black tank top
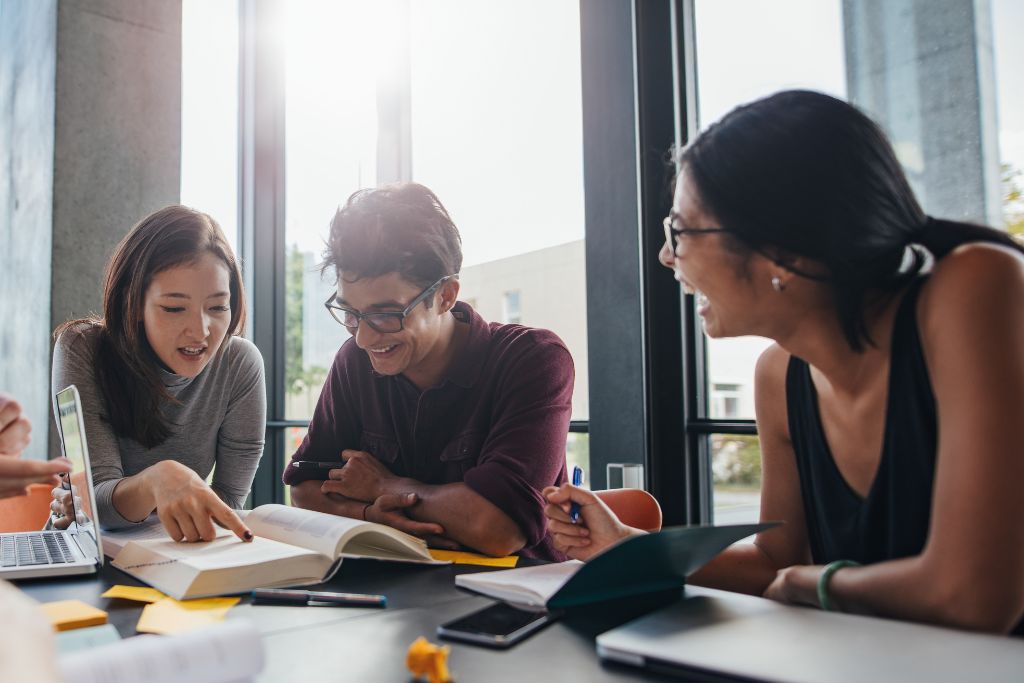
[(892, 521)]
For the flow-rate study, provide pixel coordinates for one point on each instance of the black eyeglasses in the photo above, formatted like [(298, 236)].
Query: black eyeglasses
[(672, 233), (384, 322)]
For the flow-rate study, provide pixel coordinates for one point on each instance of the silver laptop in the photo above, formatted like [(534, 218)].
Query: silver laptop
[(75, 549), (715, 635)]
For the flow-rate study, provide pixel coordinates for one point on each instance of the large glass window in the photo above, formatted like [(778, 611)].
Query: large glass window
[(442, 93), (1007, 18), (497, 133), (209, 110), (331, 133), (943, 83)]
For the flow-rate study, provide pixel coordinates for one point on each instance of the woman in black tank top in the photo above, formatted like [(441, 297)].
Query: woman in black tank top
[(888, 409)]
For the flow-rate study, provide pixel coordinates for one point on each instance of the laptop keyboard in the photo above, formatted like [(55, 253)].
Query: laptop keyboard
[(26, 550)]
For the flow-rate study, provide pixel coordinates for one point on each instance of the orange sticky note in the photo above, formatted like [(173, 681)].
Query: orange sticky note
[(70, 614)]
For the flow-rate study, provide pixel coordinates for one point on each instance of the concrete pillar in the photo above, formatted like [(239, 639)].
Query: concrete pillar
[(28, 57), (91, 132), (924, 70)]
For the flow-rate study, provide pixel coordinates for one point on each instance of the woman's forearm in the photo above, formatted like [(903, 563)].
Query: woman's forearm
[(740, 568), (909, 589), (133, 497)]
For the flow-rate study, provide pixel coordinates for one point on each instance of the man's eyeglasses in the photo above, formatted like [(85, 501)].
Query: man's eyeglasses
[(673, 234), (384, 322)]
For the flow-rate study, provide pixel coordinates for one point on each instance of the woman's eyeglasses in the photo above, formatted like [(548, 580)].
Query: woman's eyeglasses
[(384, 322), (673, 234)]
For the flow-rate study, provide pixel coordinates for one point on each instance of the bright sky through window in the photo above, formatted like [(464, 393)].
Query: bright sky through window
[(496, 104)]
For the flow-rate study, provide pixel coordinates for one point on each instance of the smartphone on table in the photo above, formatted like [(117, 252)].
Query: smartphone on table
[(500, 625)]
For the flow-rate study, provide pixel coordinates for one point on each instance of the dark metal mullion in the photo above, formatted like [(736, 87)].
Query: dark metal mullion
[(610, 176), (261, 215), (663, 367), (287, 424), (575, 427), (705, 427), (697, 453)]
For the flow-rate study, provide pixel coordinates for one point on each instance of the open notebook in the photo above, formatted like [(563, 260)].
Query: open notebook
[(642, 564), (293, 547)]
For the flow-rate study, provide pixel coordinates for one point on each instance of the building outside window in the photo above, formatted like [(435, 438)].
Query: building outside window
[(727, 397), (512, 313)]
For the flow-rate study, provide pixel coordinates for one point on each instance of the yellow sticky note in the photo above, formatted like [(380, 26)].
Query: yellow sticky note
[(69, 614), (459, 557), (217, 607), (169, 616), (166, 617), (136, 593)]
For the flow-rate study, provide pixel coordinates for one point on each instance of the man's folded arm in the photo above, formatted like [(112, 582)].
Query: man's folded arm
[(467, 517), (307, 494)]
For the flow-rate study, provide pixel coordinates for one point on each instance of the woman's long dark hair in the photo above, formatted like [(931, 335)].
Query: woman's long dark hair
[(127, 370), (803, 174)]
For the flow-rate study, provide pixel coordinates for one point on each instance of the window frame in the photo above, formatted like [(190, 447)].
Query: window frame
[(638, 65)]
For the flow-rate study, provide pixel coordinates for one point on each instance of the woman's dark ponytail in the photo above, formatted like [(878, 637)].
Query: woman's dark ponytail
[(942, 236)]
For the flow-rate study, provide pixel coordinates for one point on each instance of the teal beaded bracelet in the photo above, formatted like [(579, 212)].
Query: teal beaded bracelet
[(826, 576)]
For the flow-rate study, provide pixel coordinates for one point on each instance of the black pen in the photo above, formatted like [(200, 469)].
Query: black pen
[(280, 596), (316, 465)]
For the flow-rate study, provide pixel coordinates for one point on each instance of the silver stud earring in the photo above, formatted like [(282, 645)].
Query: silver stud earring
[(777, 283)]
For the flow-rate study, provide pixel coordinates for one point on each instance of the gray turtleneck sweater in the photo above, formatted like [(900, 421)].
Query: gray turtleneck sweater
[(220, 421)]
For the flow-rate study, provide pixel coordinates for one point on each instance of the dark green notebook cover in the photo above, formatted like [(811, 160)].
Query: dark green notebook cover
[(653, 562)]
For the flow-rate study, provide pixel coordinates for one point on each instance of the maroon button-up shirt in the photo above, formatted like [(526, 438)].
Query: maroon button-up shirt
[(497, 421)]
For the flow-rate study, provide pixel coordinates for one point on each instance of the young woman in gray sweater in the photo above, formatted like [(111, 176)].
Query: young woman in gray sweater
[(170, 392)]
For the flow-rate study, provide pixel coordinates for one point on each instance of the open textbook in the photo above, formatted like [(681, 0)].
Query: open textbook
[(231, 652), (650, 563), (292, 547)]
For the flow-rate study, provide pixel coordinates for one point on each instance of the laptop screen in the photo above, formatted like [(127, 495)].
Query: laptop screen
[(79, 481)]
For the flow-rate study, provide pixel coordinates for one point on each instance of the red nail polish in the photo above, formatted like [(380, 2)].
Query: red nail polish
[(248, 535)]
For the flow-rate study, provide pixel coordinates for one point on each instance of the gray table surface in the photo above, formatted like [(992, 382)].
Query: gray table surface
[(361, 644)]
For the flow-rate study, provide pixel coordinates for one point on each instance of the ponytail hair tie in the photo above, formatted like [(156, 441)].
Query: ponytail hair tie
[(917, 258)]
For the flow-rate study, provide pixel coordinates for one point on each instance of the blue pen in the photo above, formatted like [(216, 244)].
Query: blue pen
[(577, 480)]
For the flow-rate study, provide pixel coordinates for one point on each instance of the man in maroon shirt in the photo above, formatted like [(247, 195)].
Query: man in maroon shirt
[(442, 425)]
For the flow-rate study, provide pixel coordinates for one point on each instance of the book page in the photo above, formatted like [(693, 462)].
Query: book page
[(532, 586), (225, 565), (317, 531), (223, 552), (336, 536), (226, 653), (151, 529)]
